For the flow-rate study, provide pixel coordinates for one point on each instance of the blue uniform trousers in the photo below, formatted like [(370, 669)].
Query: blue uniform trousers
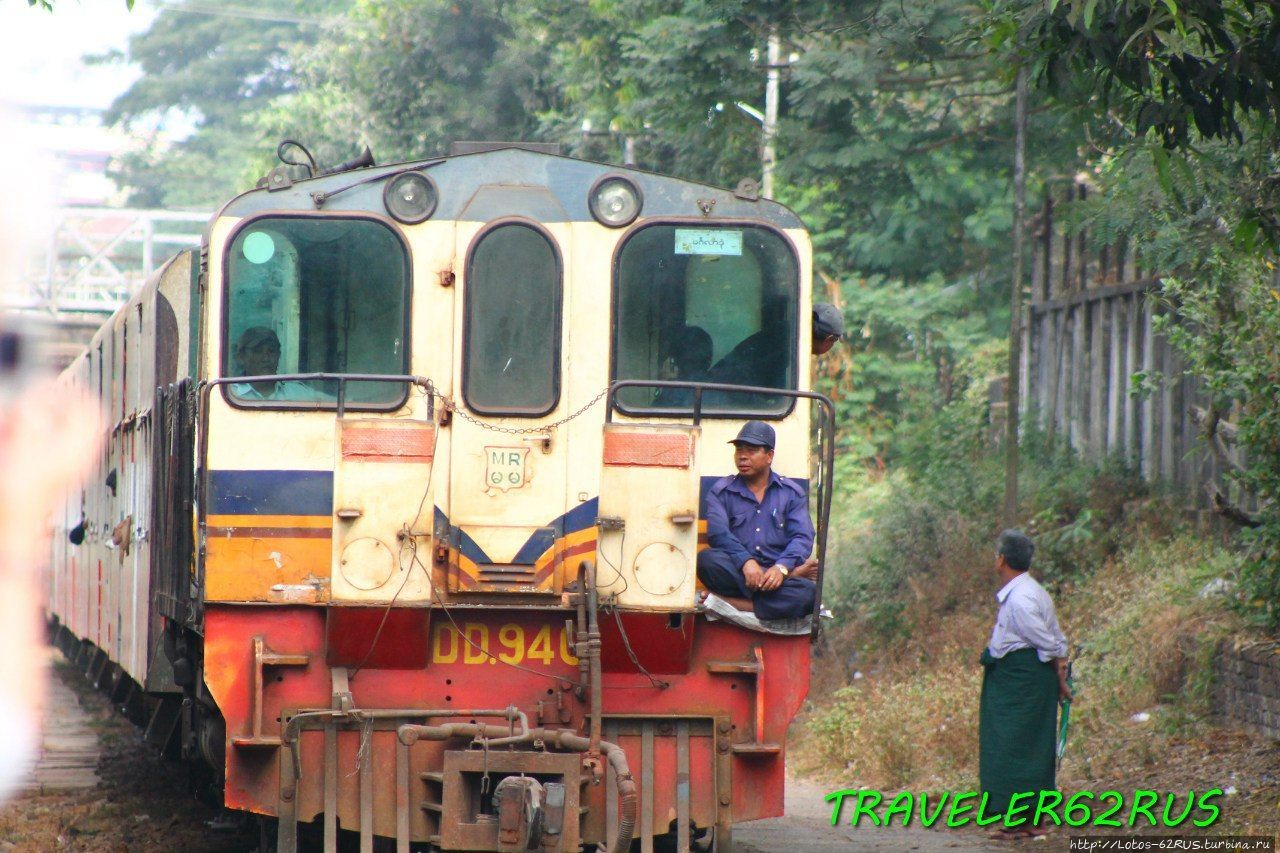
[(789, 601)]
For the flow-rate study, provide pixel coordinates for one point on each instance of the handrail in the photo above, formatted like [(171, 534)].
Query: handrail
[(206, 386), (826, 451), (341, 378)]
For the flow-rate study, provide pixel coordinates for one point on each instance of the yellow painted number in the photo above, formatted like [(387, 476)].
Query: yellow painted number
[(540, 648), (511, 637), (513, 646)]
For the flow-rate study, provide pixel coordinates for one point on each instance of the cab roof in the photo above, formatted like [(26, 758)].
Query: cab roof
[(486, 185)]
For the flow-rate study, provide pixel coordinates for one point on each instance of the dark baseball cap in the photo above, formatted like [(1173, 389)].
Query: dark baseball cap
[(827, 321), (758, 433)]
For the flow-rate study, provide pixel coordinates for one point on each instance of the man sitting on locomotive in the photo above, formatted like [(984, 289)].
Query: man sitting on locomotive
[(257, 353), (760, 534)]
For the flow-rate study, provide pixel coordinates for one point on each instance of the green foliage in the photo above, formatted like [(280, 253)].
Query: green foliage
[(917, 697), (1180, 70), (1206, 217), (408, 78), (937, 517), (215, 71), (893, 135), (1182, 102)]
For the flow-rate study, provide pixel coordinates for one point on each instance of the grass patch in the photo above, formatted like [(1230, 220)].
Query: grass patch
[(1145, 638)]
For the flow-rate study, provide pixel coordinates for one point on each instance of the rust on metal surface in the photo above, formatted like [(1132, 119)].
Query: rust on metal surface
[(752, 667), (402, 798), (682, 785), (368, 443), (263, 658), (646, 799), (648, 449), (724, 785), (463, 769)]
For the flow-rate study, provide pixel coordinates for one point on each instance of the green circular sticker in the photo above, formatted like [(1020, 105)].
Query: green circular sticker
[(258, 247)]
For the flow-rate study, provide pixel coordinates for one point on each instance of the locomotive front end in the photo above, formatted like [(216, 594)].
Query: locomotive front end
[(454, 427)]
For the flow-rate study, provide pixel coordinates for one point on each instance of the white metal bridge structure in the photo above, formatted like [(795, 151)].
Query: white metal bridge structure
[(92, 261)]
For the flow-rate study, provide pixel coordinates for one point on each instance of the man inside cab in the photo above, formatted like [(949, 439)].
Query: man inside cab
[(257, 353), (763, 358), (760, 534)]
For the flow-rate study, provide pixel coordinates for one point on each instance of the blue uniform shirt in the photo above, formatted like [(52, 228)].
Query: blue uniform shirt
[(774, 531)]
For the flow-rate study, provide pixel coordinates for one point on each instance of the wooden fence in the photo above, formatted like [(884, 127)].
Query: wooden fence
[(1090, 328)]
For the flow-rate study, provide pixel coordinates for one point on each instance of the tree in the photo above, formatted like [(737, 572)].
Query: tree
[(408, 78), (215, 66), (1185, 69), (1186, 161)]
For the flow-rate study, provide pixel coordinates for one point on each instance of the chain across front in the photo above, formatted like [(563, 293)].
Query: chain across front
[(450, 405)]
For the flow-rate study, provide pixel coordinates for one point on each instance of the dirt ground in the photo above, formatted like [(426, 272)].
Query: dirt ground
[(141, 803)]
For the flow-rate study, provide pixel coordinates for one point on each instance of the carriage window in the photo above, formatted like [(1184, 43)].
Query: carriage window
[(512, 360), (706, 304), (316, 296)]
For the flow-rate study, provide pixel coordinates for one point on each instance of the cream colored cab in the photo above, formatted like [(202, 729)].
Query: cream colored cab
[(508, 479), (648, 543)]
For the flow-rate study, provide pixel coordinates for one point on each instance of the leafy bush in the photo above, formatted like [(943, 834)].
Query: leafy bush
[(910, 722), (925, 534)]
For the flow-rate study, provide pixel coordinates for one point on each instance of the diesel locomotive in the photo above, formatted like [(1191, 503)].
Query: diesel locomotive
[(394, 533)]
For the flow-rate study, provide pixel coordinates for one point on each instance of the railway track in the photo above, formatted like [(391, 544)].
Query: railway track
[(69, 747)]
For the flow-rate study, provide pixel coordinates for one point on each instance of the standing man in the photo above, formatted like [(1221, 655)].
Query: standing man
[(1025, 677), (760, 534)]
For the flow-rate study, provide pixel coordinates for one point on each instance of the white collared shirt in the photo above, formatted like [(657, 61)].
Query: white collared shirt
[(288, 389), (1026, 620)]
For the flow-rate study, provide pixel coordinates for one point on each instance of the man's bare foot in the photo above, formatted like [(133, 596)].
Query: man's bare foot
[(740, 603), (807, 569)]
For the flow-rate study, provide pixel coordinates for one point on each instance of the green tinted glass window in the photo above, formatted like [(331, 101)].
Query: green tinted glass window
[(325, 295), (512, 359), (706, 304)]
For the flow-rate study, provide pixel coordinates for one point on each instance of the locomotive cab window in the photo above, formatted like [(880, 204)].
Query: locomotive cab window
[(511, 362), (324, 295), (706, 304)]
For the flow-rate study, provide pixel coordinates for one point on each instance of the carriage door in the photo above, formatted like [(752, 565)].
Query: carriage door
[(508, 473)]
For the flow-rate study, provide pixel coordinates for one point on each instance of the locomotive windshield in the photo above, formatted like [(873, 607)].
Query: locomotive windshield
[(706, 304), (511, 364), (316, 296)]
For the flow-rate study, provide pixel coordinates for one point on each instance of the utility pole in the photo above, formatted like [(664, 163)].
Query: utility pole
[(1015, 301), (769, 154)]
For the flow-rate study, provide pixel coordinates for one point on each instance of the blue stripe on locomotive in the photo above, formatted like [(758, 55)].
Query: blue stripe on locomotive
[(271, 492)]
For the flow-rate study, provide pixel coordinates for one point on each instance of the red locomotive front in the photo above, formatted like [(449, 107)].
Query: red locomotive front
[(424, 457)]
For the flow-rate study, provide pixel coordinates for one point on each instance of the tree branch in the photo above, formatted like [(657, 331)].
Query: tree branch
[(1214, 430), (1225, 508)]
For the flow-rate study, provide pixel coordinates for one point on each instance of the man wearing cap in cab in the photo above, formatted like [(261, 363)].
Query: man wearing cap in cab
[(257, 353), (760, 534), (828, 327)]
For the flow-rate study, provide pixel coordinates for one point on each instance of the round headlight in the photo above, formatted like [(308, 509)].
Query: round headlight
[(615, 201), (410, 197)]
